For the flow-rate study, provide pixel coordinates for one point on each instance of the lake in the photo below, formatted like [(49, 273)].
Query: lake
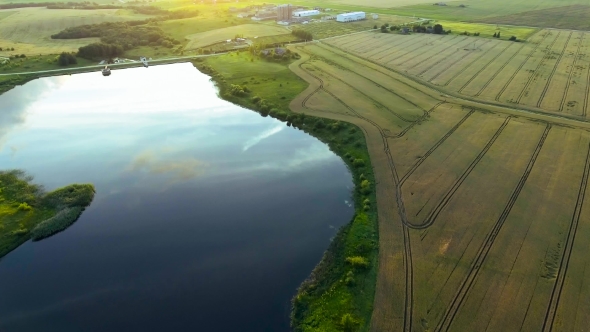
[(207, 216)]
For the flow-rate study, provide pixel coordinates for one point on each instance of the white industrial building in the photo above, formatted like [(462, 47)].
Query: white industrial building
[(305, 13), (350, 17)]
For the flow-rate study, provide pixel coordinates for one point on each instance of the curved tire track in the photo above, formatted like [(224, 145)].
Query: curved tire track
[(567, 251), (522, 65), (469, 281)]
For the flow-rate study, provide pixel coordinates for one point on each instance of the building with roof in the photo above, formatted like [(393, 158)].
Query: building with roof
[(305, 13), (350, 17)]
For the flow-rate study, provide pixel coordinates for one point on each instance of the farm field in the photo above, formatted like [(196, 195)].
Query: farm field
[(325, 29), (483, 212), (28, 30), (245, 30), (547, 73), (483, 10), (566, 17)]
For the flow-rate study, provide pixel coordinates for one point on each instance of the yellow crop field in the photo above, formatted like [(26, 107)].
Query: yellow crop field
[(28, 30), (483, 212), (250, 31), (548, 72)]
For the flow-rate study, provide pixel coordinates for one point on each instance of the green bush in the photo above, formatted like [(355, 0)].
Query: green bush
[(358, 163), (24, 207), (348, 323), (62, 220), (357, 262), (70, 196)]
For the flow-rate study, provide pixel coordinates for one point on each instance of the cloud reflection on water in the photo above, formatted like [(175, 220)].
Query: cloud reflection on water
[(15, 103)]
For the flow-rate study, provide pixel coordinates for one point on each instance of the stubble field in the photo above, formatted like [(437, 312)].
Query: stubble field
[(482, 210), (548, 72)]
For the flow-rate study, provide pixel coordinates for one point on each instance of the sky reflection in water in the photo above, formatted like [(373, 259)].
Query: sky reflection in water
[(207, 216)]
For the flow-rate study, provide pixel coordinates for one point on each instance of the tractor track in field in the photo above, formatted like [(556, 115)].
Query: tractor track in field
[(356, 73), (482, 69), (529, 56), (449, 66), (433, 215), (428, 43), (585, 108), (540, 101), (377, 103), (402, 44), (366, 46), (434, 147), (473, 62), (569, 78), (507, 62), (330, 62), (419, 40), (408, 265), (496, 73), (567, 251), (439, 54), (541, 63), (403, 132), (469, 281), (348, 42)]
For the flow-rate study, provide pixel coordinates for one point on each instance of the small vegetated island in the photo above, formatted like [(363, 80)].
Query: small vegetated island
[(28, 212)]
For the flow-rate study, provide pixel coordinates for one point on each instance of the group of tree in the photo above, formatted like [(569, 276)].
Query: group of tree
[(436, 29), (116, 37), (66, 59), (99, 50), (497, 34), (302, 34), (7, 49)]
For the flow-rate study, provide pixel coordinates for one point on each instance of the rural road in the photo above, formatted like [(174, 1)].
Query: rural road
[(111, 65)]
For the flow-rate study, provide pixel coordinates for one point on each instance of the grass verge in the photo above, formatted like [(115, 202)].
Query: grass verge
[(26, 211), (339, 293)]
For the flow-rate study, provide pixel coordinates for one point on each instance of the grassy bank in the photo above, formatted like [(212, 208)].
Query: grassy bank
[(339, 293), (26, 211), (9, 82)]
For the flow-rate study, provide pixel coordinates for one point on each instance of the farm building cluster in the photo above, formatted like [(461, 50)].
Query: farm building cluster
[(287, 14)]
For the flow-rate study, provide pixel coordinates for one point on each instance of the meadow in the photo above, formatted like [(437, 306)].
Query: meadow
[(478, 205), (250, 31), (476, 10), (28, 30)]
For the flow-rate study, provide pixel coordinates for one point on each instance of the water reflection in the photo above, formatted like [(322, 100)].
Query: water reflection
[(17, 101), (207, 216)]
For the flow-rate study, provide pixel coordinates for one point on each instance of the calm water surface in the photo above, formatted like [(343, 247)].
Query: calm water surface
[(207, 216)]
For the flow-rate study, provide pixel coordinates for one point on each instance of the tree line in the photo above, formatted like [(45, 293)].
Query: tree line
[(302, 34), (116, 37)]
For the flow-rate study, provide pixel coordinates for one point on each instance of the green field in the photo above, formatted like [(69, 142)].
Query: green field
[(28, 30), (250, 31), (487, 30), (481, 9)]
